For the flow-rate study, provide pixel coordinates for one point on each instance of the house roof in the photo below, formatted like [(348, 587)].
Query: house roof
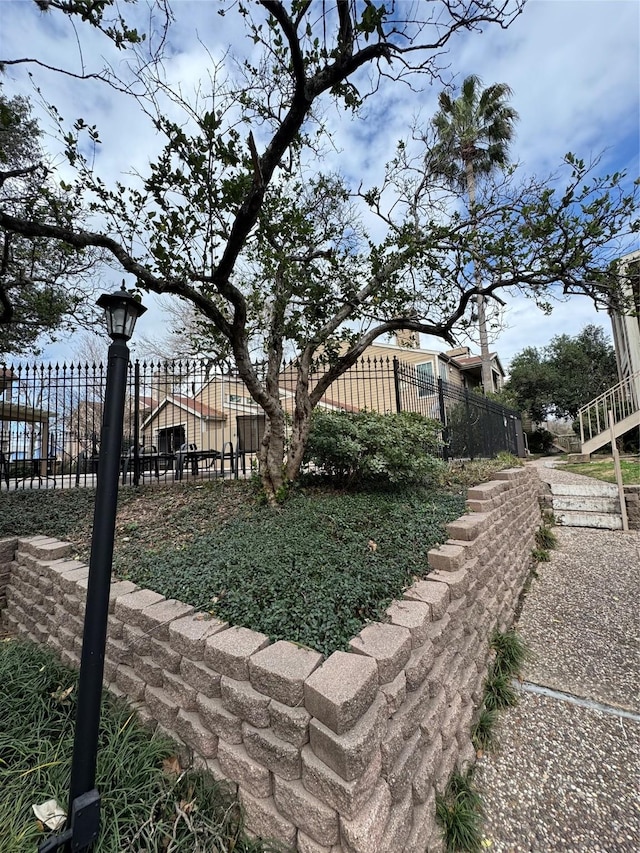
[(186, 404), (472, 361)]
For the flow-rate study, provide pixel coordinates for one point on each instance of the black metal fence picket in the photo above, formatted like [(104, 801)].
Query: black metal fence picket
[(190, 418)]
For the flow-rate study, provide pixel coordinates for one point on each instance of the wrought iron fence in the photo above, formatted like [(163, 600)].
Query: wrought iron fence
[(185, 419)]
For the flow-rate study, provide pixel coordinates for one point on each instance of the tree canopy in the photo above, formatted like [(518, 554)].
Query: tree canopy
[(238, 216), (43, 283), (558, 379)]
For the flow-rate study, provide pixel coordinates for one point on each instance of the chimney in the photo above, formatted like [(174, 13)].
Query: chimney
[(407, 339), (458, 352)]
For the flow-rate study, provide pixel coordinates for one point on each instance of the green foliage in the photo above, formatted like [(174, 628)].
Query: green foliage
[(313, 570), (459, 812), (139, 799), (511, 652), (372, 448), (541, 555), (539, 441), (470, 473), (483, 730), (499, 691), (563, 376), (546, 538)]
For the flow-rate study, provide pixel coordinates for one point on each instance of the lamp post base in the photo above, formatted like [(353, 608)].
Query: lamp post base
[(83, 829)]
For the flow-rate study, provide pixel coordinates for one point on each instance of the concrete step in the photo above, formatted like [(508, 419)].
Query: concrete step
[(578, 503), (592, 489), (602, 521)]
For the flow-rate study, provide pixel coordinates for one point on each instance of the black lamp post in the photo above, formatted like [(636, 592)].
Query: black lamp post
[(121, 310)]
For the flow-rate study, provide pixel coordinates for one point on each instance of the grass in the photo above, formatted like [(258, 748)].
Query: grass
[(604, 470), (149, 803), (313, 570), (459, 812)]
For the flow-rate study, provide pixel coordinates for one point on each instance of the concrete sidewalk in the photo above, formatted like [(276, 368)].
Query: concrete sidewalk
[(566, 773)]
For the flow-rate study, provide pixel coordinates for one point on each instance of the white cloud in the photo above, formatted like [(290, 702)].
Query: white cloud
[(573, 66)]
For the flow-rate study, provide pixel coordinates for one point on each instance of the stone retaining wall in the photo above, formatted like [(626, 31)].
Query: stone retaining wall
[(342, 755)]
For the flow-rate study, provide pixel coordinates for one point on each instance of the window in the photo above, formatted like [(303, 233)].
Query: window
[(424, 372)]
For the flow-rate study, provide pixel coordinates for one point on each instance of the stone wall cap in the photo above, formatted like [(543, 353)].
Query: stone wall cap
[(280, 670), (389, 645), (340, 691)]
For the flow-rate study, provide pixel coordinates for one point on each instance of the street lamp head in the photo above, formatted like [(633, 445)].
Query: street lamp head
[(121, 312)]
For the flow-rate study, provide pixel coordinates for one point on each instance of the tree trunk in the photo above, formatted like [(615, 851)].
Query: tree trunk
[(485, 358), (271, 457)]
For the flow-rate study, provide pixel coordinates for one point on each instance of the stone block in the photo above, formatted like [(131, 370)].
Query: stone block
[(400, 776), (148, 669), (458, 582), (183, 694), (8, 547), (512, 475), (428, 769), (423, 826), (347, 797), (388, 645), (198, 675), (156, 618), (487, 491), (136, 639), (413, 709), (280, 670), (69, 580), (419, 665), (114, 627), (398, 826), (306, 811), (117, 589), (305, 844), (434, 713), (289, 724), (447, 557), (128, 607), (341, 690), (363, 833), (196, 735), (395, 692), (164, 655), (45, 547), (161, 705), (240, 699), (264, 820), (116, 650), (413, 615), (350, 753), (218, 719), (130, 683), (435, 595), (188, 635), (228, 652), (237, 764), (283, 759)]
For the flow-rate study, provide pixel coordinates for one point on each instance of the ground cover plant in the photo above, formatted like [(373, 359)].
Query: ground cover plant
[(149, 802), (604, 470), (312, 570)]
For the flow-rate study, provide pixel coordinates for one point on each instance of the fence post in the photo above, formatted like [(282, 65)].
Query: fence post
[(396, 383), (470, 441), (136, 423), (443, 420)]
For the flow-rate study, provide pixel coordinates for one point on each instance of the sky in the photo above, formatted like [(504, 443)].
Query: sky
[(573, 66)]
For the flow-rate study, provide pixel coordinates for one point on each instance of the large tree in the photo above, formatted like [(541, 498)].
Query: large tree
[(246, 226), (43, 283), (558, 379), (473, 134)]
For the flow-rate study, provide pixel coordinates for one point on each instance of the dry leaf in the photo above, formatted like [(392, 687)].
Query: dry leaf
[(171, 766), (60, 695), (372, 545)]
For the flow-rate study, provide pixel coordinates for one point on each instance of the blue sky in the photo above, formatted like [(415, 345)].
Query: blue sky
[(573, 66)]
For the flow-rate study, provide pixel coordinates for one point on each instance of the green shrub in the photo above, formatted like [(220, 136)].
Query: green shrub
[(368, 447), (511, 652), (546, 538), (459, 812), (483, 730)]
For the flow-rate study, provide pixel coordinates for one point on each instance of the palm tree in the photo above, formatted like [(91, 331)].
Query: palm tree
[(473, 134)]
